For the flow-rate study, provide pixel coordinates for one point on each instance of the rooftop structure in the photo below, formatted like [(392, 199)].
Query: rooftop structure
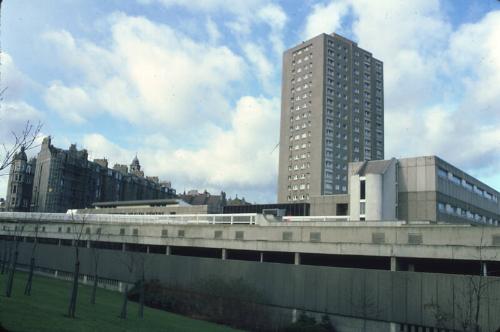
[(171, 206), (215, 203)]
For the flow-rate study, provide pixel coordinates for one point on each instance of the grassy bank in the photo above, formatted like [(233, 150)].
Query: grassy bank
[(45, 310)]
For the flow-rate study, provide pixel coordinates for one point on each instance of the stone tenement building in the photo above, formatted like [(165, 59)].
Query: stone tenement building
[(332, 113), (20, 184), (66, 179)]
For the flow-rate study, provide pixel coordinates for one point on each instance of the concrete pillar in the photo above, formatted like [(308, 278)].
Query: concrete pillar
[(294, 315), (392, 327), (394, 263), (484, 269), (84, 278), (88, 243), (147, 249), (296, 258), (59, 242), (120, 286), (124, 247), (55, 273), (167, 251), (224, 254), (261, 257)]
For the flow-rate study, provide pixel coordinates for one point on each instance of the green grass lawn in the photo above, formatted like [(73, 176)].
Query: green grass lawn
[(45, 310)]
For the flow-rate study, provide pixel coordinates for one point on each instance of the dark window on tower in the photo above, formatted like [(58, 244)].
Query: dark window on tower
[(341, 209), (362, 189)]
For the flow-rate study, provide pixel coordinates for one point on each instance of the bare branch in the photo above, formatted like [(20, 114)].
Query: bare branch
[(26, 138)]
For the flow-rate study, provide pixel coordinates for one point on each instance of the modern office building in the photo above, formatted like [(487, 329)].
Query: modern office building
[(423, 188), (412, 189), (332, 112), (58, 180)]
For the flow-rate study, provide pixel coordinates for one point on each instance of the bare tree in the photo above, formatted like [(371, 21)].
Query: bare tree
[(473, 293), (29, 282), (142, 281), (7, 252), (95, 252), (129, 262), (25, 139), (18, 231), (78, 225)]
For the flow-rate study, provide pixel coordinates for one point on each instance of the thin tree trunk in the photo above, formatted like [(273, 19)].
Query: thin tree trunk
[(123, 313), (4, 258), (478, 305), (10, 280), (94, 289), (74, 291), (27, 289), (6, 261), (141, 299)]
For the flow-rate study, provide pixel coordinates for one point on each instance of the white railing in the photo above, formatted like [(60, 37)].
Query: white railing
[(315, 218), (231, 219)]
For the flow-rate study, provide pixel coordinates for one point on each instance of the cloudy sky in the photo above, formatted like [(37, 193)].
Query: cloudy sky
[(193, 87)]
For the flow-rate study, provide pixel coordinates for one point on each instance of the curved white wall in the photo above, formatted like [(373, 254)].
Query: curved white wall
[(374, 197)]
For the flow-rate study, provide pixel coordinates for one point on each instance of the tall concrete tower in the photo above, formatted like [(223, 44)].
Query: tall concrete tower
[(332, 112)]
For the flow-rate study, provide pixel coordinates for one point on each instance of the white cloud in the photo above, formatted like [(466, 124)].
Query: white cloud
[(14, 82), (98, 147), (274, 16), (325, 18), (212, 31), (243, 19), (13, 118), (15, 113), (238, 160), (149, 75), (244, 16), (238, 7), (465, 130), (72, 103), (474, 54), (264, 69)]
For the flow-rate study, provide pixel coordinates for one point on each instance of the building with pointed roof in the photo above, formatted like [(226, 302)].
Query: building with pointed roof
[(19, 187)]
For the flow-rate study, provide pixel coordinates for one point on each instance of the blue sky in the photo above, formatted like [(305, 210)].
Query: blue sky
[(193, 87)]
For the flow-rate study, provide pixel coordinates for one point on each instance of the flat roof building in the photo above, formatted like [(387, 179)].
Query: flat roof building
[(332, 112), (413, 189), (164, 206)]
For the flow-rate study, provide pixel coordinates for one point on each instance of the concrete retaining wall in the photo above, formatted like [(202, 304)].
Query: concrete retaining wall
[(401, 297)]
